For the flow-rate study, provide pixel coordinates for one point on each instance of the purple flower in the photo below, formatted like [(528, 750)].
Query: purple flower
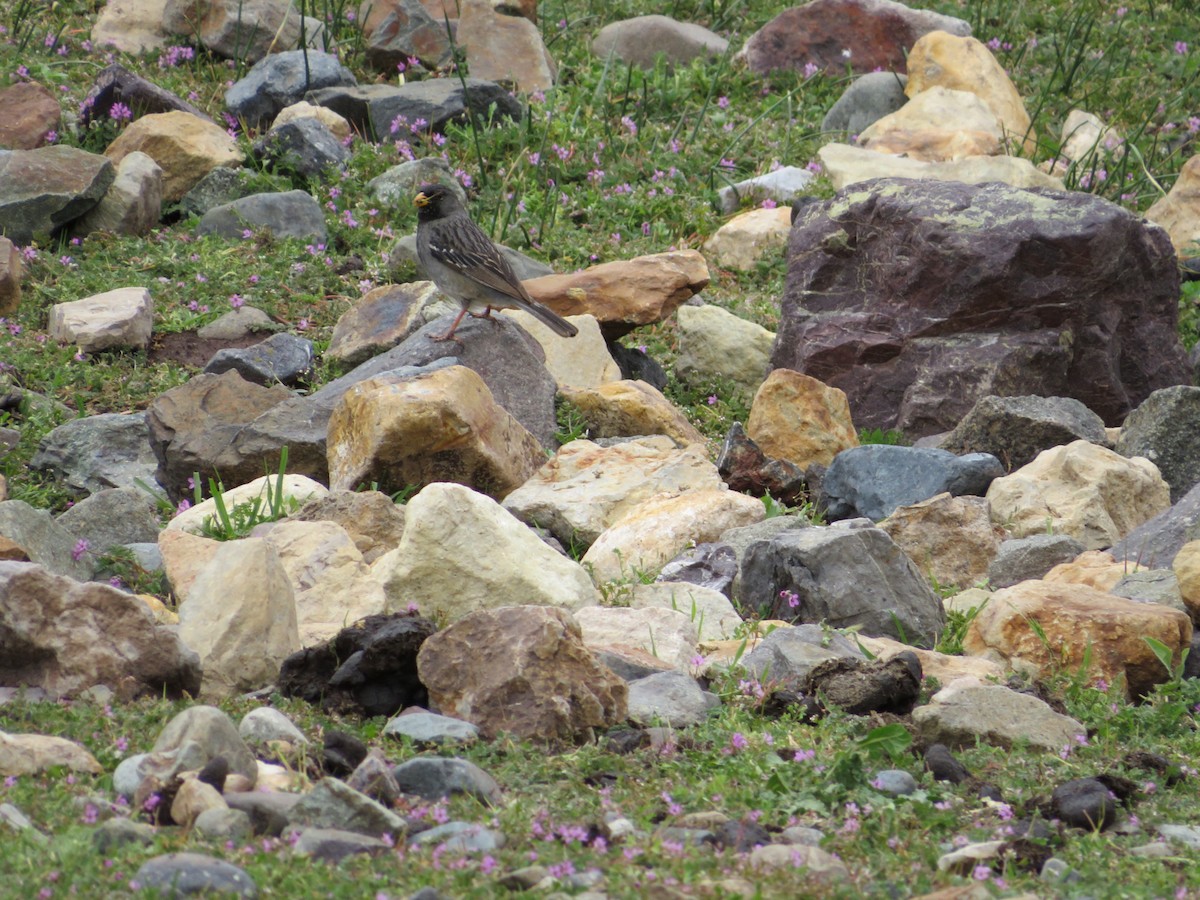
[(1181, 48), (81, 547), (120, 112)]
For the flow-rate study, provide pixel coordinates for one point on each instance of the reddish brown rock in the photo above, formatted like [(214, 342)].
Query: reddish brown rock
[(28, 112), (399, 29), (522, 670)]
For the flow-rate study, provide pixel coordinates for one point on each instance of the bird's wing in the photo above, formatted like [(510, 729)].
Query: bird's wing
[(473, 255)]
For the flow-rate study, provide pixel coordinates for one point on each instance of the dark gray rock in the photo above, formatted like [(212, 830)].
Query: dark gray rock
[(1151, 586), (269, 811), (398, 185), (1017, 429), (281, 359), (185, 874), (111, 450), (407, 31), (332, 845), (280, 79), (638, 365), (1154, 544), (112, 517), (1002, 291), (874, 479), (1084, 803), (1020, 559), (868, 98), (304, 146), (116, 84), (334, 804), (216, 735), (224, 826), (706, 565), (944, 765), (45, 189), (220, 186), (287, 214), (670, 698), (842, 577), (373, 777), (640, 41), (44, 541), (113, 834), (740, 539), (788, 655), (436, 777), (1163, 429), (371, 109)]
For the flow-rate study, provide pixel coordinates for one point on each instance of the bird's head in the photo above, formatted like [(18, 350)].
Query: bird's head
[(434, 201)]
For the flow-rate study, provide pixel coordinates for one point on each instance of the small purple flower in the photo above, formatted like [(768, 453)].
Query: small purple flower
[(981, 873), (237, 301), (723, 102), (81, 547), (119, 112), (1181, 48)]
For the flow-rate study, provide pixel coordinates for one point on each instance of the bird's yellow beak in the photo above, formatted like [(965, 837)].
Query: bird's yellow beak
[(421, 199)]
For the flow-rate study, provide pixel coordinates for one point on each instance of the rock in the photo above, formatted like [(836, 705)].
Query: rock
[(242, 628), (334, 804), (1092, 568), (967, 711), (1087, 141), (246, 30), (266, 724), (941, 667), (461, 837), (782, 185), (745, 468), (119, 318), (1086, 630), (423, 728), (193, 798), (305, 147), (287, 214), (182, 874), (749, 237), (1186, 566), (799, 419), (113, 834), (268, 812), (185, 146), (874, 480), (669, 698), (708, 609), (625, 294), (28, 112), (841, 577), (630, 409), (132, 205), (332, 845), (585, 488), (663, 634), (864, 35), (818, 864), (1082, 490), (43, 190), (859, 688), (1017, 429), (436, 563), (116, 84), (10, 277), (1158, 586), (43, 541), (641, 40), (504, 48), (373, 521), (372, 108), (637, 365), (1179, 211), (943, 766), (112, 517), (35, 754), (788, 655), (287, 492), (379, 320), (442, 426), (1155, 543), (1085, 803), (397, 186), (280, 79), (214, 734), (937, 125), (406, 30), (1030, 557), (869, 98), (823, 333), (240, 322), (850, 166), (435, 778), (966, 859), (523, 671), (131, 26), (302, 109), (368, 669), (1160, 430), (280, 359), (707, 565), (655, 531), (896, 782), (950, 539), (960, 62), (221, 185), (224, 825)]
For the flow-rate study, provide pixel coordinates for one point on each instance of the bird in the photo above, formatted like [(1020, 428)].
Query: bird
[(467, 266)]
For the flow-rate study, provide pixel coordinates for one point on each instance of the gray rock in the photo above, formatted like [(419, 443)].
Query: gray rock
[(875, 479), (961, 716), (45, 189), (112, 517), (790, 654), (398, 185), (894, 781), (430, 728), (220, 186), (743, 537), (304, 146), (784, 185), (1187, 835), (13, 818), (1155, 543), (1163, 429), (163, 765), (1031, 557), (281, 79), (265, 724), (669, 698), (281, 359), (246, 31), (113, 834), (1084, 803), (221, 825), (44, 541), (461, 837), (268, 811), (183, 874), (842, 577), (116, 84), (868, 98), (111, 450), (373, 777), (238, 323), (146, 555), (287, 214), (436, 777), (334, 804), (332, 845), (216, 734), (407, 31), (1151, 586), (372, 108), (1016, 429), (711, 565), (640, 41)]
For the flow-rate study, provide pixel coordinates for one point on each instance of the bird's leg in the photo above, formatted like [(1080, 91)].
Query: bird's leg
[(487, 314), (450, 334)]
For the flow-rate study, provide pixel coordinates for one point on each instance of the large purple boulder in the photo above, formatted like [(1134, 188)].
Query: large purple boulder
[(917, 298)]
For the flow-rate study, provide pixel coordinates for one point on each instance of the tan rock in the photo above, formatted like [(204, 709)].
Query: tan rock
[(337, 124), (582, 361), (441, 426), (965, 64), (967, 711), (951, 539), (28, 112), (504, 48), (294, 490), (625, 294), (1085, 136), (123, 317), (585, 488), (1179, 211), (184, 555), (1095, 568), (818, 864), (1089, 492), (710, 612), (10, 277), (192, 798), (936, 144), (162, 613), (1187, 569), (461, 552), (34, 754), (631, 409), (7, 546), (942, 667), (1080, 625), (131, 26), (800, 419), (133, 203), (185, 147), (653, 533), (749, 236), (372, 519), (714, 343), (382, 318), (937, 125), (846, 165), (665, 634), (523, 671)]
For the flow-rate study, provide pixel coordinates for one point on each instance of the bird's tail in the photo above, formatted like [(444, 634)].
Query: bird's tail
[(552, 320)]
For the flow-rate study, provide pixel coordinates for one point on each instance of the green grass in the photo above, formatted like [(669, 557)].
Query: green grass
[(612, 164)]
